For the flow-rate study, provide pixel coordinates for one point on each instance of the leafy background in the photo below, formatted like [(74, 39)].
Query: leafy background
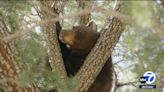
[(140, 49)]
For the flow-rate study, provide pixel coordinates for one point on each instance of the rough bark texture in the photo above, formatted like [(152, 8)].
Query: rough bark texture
[(52, 41), (103, 81), (84, 5), (99, 55), (9, 70)]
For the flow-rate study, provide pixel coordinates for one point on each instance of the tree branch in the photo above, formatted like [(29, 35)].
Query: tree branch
[(126, 84), (99, 55), (57, 63), (82, 12)]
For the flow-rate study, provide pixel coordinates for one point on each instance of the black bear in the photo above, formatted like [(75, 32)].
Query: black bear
[(75, 45)]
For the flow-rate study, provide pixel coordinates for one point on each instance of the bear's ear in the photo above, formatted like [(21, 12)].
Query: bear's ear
[(92, 25)]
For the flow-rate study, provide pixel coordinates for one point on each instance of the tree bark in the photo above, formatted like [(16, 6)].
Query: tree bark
[(84, 5), (99, 55), (9, 70), (52, 40)]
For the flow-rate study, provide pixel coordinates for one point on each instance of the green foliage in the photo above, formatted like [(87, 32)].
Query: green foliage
[(140, 46), (13, 12), (141, 11), (26, 78), (141, 43), (31, 56)]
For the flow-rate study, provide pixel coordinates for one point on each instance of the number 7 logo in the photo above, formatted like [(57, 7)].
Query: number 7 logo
[(150, 77)]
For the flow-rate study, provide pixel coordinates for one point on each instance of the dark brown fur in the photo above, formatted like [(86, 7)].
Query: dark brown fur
[(81, 40)]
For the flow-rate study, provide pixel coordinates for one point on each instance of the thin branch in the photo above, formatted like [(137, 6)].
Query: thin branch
[(83, 12), (116, 81), (118, 62), (112, 13), (127, 84)]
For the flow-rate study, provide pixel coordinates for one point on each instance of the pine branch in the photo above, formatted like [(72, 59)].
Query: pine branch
[(80, 13)]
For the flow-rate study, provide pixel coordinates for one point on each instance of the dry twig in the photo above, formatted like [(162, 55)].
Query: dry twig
[(83, 12)]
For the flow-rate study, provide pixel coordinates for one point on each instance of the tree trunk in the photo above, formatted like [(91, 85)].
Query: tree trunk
[(84, 5), (9, 70)]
